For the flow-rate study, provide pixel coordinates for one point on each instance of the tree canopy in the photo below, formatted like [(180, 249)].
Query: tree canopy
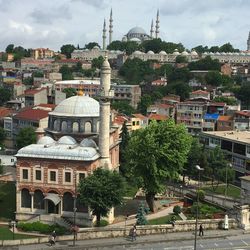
[(101, 191), (123, 107), (67, 49), (91, 45), (227, 47), (243, 94), (206, 63), (66, 72), (97, 62), (25, 137), (129, 47), (69, 92), (225, 99), (155, 154), (5, 95)]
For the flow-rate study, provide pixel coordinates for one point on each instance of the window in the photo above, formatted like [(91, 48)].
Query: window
[(81, 176), (38, 175), (137, 123), (52, 175), (67, 177), (25, 174)]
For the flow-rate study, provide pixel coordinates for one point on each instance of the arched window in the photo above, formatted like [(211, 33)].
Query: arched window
[(64, 126), (56, 125), (75, 127), (68, 202), (38, 199), (25, 198), (88, 127)]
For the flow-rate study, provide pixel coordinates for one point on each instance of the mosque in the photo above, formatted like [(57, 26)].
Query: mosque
[(78, 140)]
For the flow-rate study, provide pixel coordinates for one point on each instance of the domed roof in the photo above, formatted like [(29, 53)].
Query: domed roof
[(45, 140), (194, 53), (80, 106), (96, 47), (184, 53), (150, 52), (137, 52), (88, 143), (135, 39), (136, 30), (162, 52), (67, 140), (176, 52)]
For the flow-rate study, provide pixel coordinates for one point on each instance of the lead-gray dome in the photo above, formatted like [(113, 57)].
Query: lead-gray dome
[(67, 140), (88, 143), (45, 140), (80, 106), (137, 30)]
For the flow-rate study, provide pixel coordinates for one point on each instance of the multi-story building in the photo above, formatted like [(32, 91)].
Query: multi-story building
[(225, 123), (42, 53), (162, 109), (137, 121), (242, 120), (131, 93), (34, 97), (191, 113), (235, 144), (200, 94)]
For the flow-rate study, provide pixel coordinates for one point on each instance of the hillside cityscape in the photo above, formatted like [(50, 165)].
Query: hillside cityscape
[(131, 143)]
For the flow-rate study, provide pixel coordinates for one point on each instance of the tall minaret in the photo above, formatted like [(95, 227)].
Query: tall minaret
[(248, 42), (105, 96), (110, 27), (104, 36), (157, 25), (152, 29)]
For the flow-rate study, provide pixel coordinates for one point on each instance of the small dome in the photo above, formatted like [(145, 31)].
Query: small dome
[(45, 140), (163, 53), (88, 143), (136, 30), (176, 52), (194, 53), (242, 54), (223, 53), (150, 52), (67, 140), (184, 53), (236, 54), (217, 53), (96, 47), (124, 39), (205, 53), (137, 52)]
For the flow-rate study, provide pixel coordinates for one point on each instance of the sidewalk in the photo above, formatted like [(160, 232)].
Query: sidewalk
[(125, 241)]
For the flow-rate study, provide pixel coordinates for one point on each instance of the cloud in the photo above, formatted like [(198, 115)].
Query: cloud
[(99, 4), (20, 27), (48, 16)]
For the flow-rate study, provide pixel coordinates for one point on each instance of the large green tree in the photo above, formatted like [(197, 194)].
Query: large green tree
[(25, 137), (97, 62), (243, 94), (66, 72), (69, 92), (123, 107), (206, 63), (67, 49), (155, 154), (101, 191), (91, 45), (5, 95)]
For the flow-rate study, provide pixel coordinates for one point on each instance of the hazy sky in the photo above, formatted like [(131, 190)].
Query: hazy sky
[(52, 23)]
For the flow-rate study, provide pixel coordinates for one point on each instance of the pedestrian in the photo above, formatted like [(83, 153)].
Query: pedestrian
[(134, 233), (51, 240), (201, 232), (54, 235)]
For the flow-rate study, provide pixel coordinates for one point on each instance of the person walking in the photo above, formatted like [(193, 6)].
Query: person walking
[(201, 231), (133, 233)]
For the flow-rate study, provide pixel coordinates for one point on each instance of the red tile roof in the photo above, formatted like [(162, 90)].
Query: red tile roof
[(32, 114), (217, 104), (5, 112), (140, 116), (157, 117), (243, 112), (225, 118), (200, 92), (33, 91)]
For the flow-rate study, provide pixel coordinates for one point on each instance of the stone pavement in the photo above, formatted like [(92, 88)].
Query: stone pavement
[(125, 241)]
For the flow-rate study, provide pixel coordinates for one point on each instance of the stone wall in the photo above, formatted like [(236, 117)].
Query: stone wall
[(109, 232)]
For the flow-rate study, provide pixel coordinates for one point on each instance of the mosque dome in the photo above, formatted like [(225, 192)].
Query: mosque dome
[(184, 53), (96, 47), (137, 52), (67, 140), (194, 53), (80, 106), (88, 143), (150, 52), (176, 52), (163, 52), (45, 140), (135, 39), (136, 30)]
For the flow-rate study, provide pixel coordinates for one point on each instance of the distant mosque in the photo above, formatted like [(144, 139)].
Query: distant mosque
[(136, 34)]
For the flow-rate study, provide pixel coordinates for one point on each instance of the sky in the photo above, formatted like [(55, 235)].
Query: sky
[(52, 23)]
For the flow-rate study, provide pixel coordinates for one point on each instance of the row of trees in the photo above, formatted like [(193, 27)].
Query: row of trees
[(227, 47)]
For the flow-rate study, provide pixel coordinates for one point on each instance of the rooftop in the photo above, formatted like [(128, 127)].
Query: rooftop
[(32, 114)]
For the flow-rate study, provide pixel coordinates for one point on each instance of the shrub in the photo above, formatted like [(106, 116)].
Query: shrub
[(201, 194), (41, 227), (103, 223), (177, 209)]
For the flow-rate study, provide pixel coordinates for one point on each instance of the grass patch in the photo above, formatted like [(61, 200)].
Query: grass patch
[(6, 234), (232, 191), (8, 200), (163, 220)]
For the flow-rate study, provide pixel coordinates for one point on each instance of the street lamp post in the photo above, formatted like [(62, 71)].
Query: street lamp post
[(225, 194), (13, 225), (197, 205)]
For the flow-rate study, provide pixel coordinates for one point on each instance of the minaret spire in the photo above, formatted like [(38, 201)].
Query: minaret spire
[(104, 35), (152, 29), (110, 27), (157, 25), (104, 129), (248, 41)]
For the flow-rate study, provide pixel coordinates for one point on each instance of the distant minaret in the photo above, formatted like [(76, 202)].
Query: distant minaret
[(248, 42), (110, 27), (157, 25), (104, 128), (104, 35), (152, 29)]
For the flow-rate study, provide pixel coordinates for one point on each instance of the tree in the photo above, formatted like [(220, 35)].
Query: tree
[(243, 94), (179, 88), (37, 74), (97, 62), (200, 49), (67, 49), (5, 95), (25, 137), (213, 78), (227, 47), (177, 210), (28, 80), (66, 72), (101, 191), (179, 74), (225, 99), (91, 45), (123, 107), (181, 59), (145, 102), (141, 215), (206, 63), (9, 48), (2, 137), (155, 154), (69, 92)]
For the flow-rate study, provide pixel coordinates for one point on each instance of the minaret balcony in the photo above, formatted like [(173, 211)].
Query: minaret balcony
[(106, 94)]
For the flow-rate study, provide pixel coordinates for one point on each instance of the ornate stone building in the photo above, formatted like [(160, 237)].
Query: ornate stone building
[(78, 140)]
